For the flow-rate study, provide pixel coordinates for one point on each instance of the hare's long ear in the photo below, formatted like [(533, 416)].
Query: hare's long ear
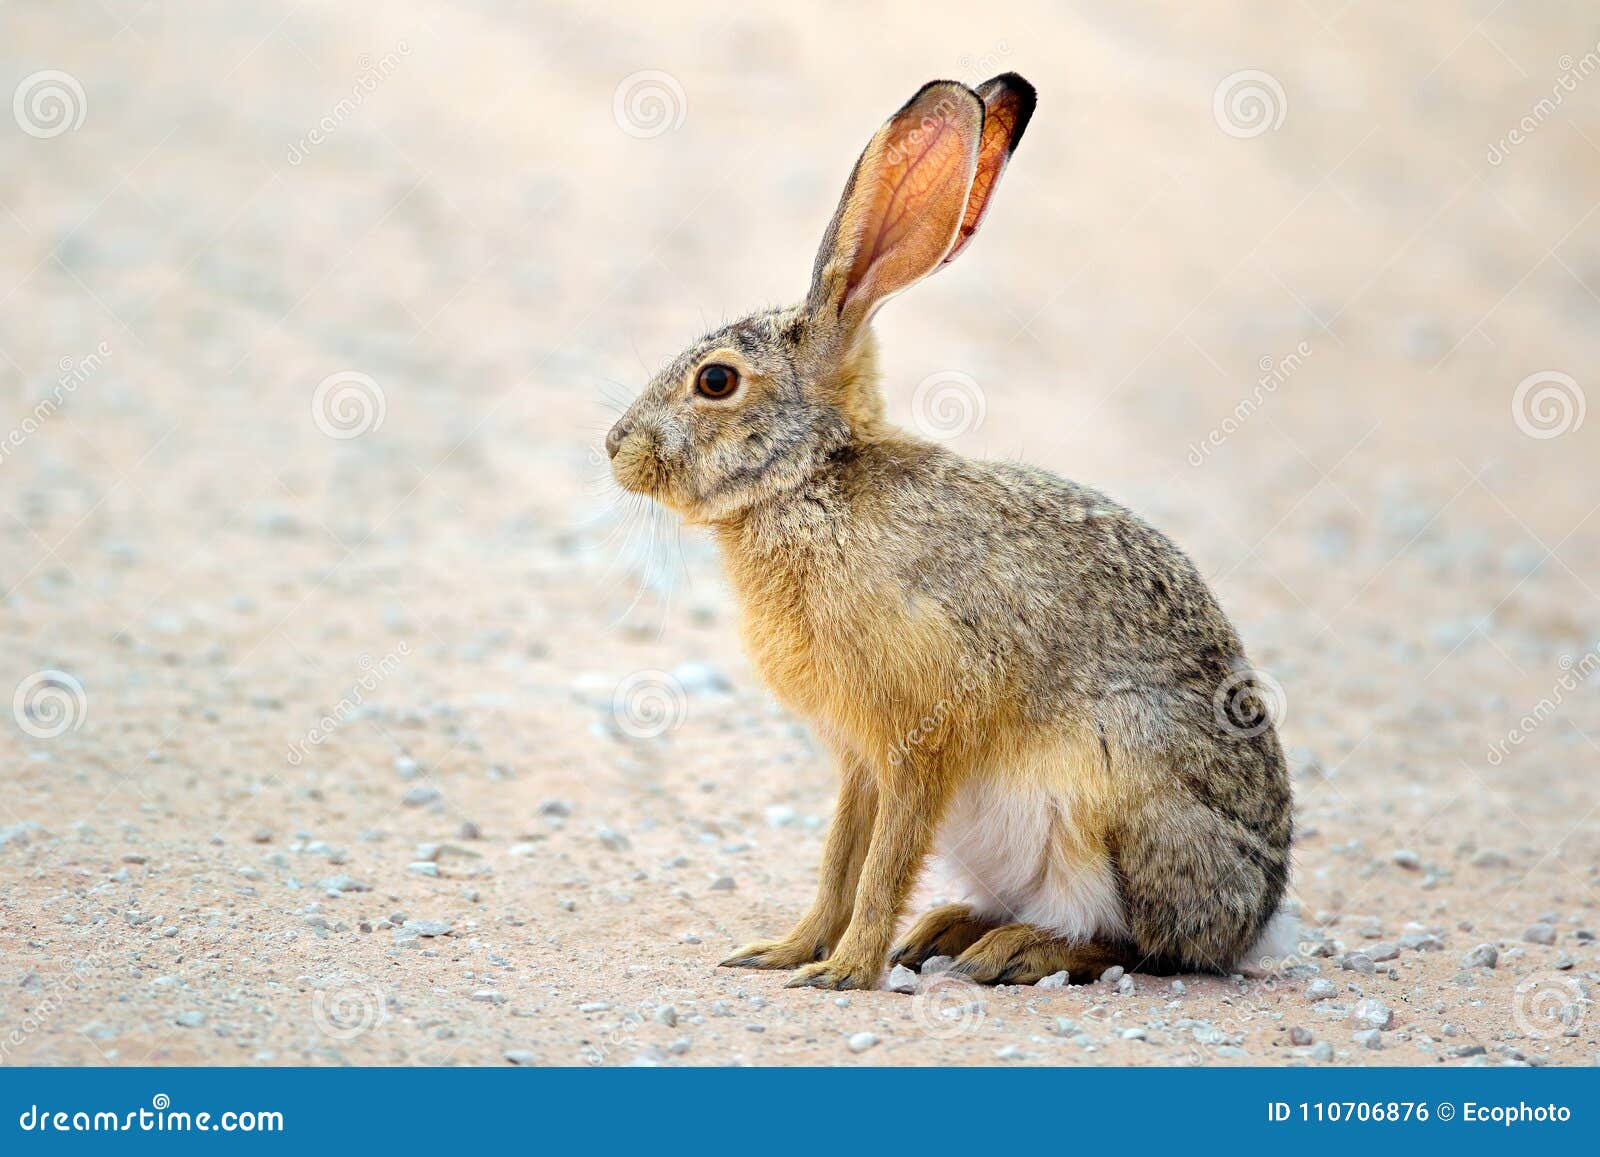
[(903, 206), (1008, 103)]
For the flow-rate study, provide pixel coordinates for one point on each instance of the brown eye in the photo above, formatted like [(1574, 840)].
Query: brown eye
[(716, 381)]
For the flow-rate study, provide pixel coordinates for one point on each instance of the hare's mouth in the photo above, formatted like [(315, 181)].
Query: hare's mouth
[(636, 467)]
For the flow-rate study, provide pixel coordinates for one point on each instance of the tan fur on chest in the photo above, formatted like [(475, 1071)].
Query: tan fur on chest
[(859, 658)]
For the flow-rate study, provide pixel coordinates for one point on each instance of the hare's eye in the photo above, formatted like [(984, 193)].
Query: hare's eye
[(716, 381)]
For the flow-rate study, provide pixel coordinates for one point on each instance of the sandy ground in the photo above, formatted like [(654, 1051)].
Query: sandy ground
[(388, 735)]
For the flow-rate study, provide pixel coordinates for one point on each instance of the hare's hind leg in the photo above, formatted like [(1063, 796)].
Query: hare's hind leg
[(1203, 856), (948, 930), (1026, 954)]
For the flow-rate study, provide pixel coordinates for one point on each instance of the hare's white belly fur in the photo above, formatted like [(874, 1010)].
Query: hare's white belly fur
[(1013, 853)]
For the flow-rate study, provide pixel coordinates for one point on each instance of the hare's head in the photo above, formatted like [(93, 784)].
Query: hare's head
[(757, 407)]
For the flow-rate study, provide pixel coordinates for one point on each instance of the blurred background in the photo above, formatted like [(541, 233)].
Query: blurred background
[(312, 317)]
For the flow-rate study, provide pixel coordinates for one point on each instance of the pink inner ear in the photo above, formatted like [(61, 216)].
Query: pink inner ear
[(912, 192), (999, 129)]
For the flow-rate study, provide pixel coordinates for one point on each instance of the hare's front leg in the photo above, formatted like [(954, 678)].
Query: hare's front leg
[(911, 798), (842, 853)]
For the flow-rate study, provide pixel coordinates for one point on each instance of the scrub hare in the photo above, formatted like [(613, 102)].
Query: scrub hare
[(1016, 674)]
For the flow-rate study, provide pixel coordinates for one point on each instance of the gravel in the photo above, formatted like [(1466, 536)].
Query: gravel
[(862, 1041), (1483, 956)]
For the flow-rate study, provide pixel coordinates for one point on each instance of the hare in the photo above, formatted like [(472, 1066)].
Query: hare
[(1017, 676)]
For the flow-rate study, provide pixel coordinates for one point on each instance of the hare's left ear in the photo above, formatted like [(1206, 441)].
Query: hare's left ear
[(1008, 103), (902, 208)]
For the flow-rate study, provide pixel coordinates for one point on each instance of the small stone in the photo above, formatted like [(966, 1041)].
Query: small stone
[(1491, 858), (424, 928), (1054, 980), (1383, 951), (1368, 1038), (595, 1006), (612, 839), (667, 1015), (489, 996), (556, 808), (937, 964), (1300, 1036), (1125, 986), (419, 796), (678, 1047), (1467, 1051), (1483, 956), (262, 835), (469, 831), (407, 767), (781, 816), (1540, 934), (1321, 1051), (1407, 859), (520, 1057), (1135, 1033), (1360, 962), (1008, 1053), (192, 1019), (862, 1041), (1372, 1013), (1179, 987), (423, 868), (902, 979), (1113, 974), (723, 884), (1320, 989)]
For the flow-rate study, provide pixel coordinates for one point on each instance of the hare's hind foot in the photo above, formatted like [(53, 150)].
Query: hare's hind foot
[(948, 930), (1026, 954)]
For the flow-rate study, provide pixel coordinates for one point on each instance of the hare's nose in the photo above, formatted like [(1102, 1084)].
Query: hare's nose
[(615, 439)]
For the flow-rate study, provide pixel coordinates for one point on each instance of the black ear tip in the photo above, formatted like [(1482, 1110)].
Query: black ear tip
[(1026, 96)]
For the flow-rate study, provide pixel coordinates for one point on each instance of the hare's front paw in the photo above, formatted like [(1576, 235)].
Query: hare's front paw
[(838, 972), (790, 952)]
